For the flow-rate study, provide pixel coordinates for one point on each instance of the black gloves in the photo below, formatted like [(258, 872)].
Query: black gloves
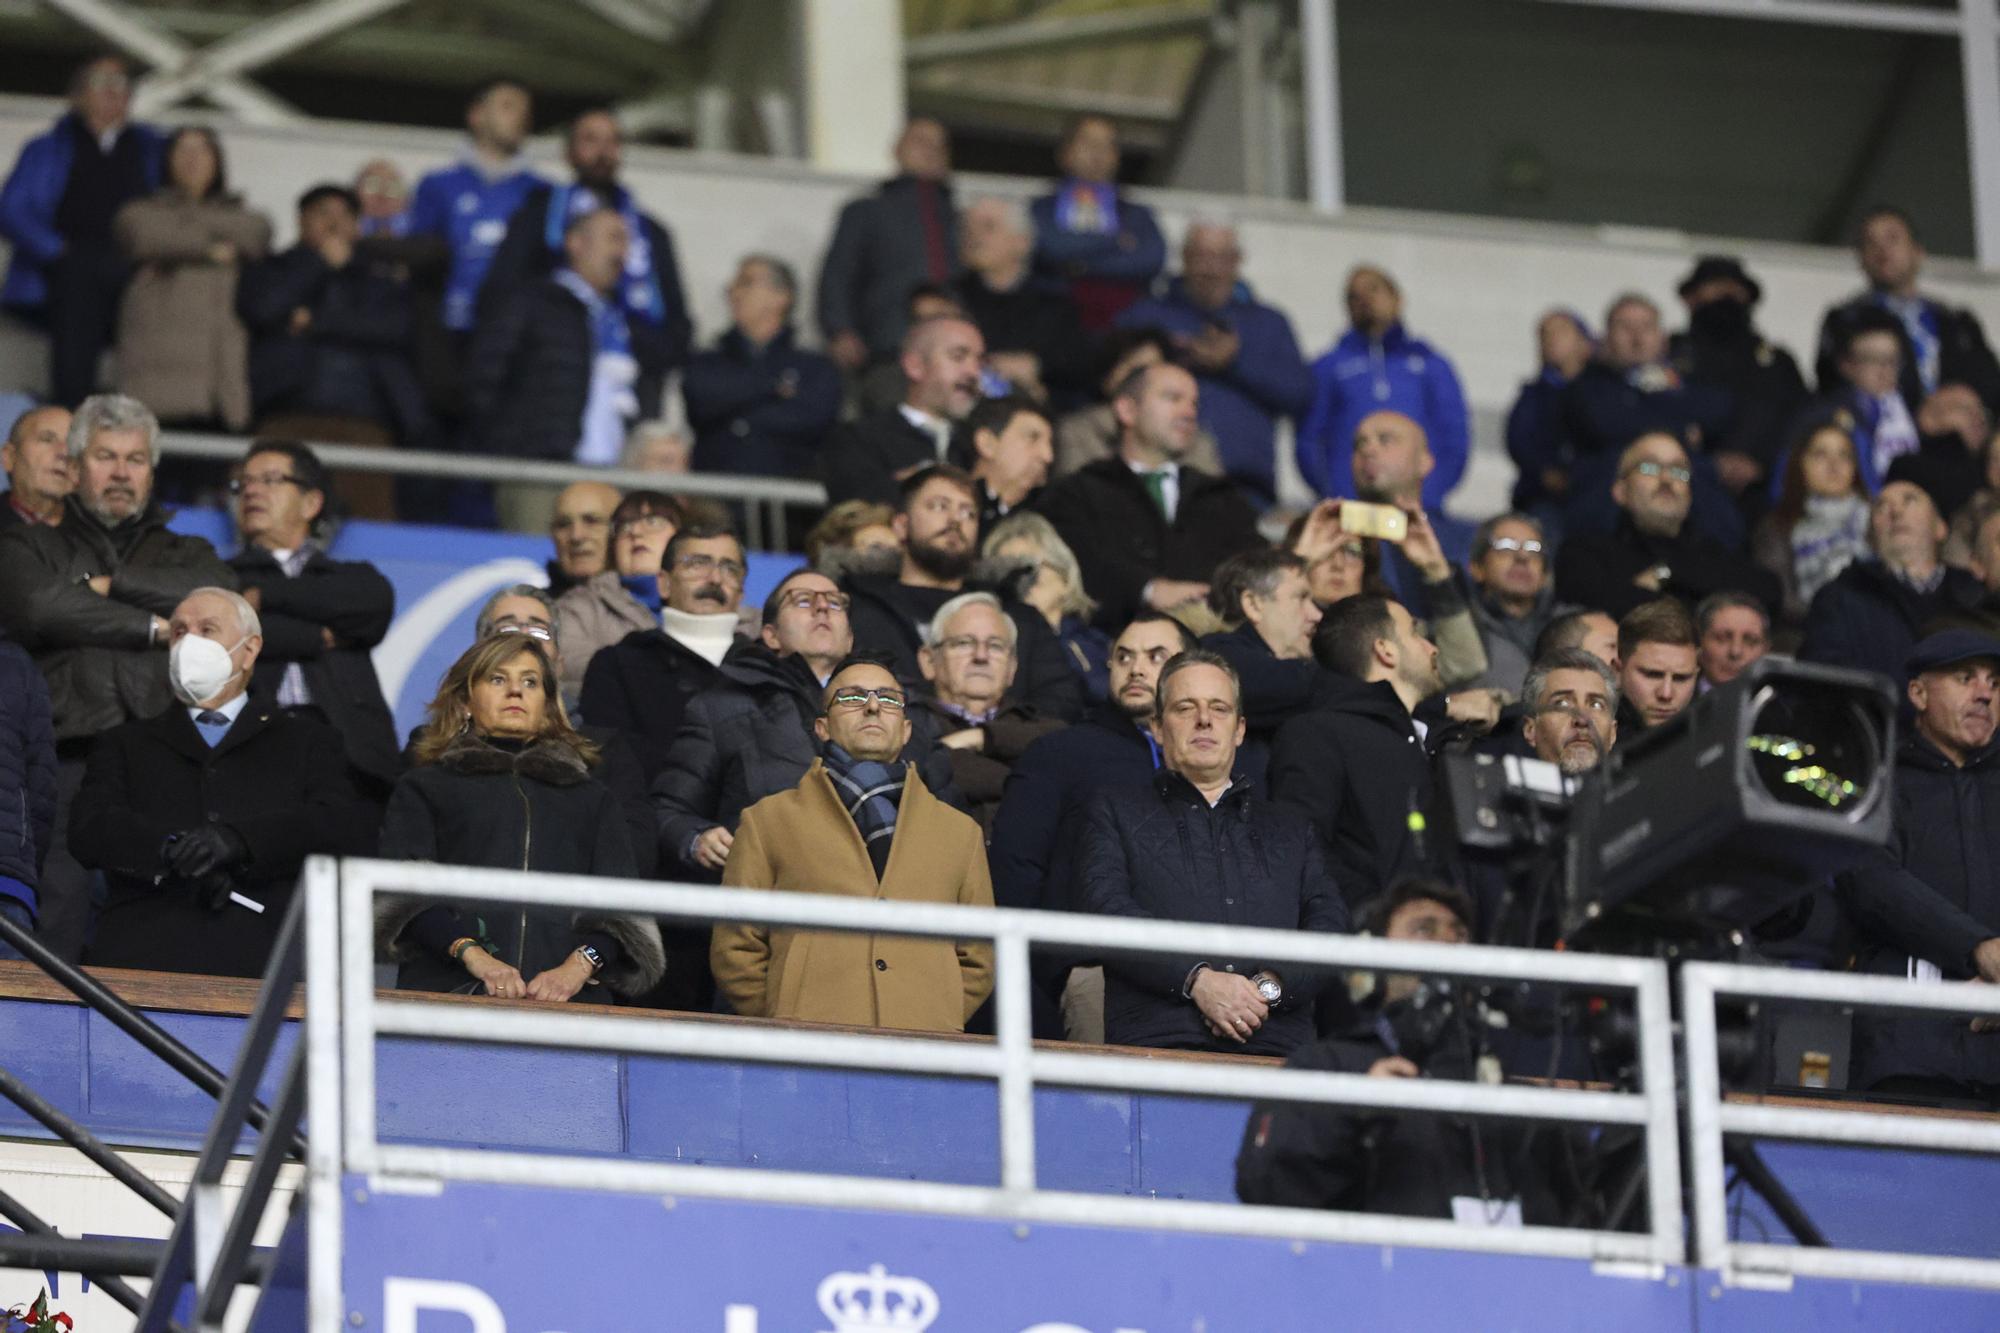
[(203, 850)]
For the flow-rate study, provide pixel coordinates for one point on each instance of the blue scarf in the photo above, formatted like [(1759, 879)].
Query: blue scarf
[(641, 293), (1087, 206), (871, 791)]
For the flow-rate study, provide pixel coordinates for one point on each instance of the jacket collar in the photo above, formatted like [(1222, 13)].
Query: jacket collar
[(1171, 786), (1916, 751), (177, 729), (547, 760), (738, 347), (1176, 294)]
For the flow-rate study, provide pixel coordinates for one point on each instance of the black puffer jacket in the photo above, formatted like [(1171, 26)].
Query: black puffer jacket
[(93, 650), (1158, 850), (534, 808), (27, 767)]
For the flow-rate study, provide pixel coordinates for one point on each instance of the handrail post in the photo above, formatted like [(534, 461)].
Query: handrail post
[(1014, 1029)]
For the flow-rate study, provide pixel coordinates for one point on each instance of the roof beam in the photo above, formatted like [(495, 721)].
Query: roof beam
[(1045, 34), (137, 36), (253, 47)]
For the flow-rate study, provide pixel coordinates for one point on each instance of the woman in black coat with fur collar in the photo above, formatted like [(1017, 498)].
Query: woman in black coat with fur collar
[(503, 781)]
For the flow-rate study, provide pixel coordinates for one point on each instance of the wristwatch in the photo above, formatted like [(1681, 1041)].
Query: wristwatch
[(591, 956), (1269, 989)]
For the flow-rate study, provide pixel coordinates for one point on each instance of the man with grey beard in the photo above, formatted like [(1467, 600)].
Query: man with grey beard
[(89, 598), (1572, 718)]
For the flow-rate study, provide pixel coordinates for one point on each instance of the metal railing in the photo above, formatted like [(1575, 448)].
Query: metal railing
[(341, 1039), (1710, 1119), (763, 498)]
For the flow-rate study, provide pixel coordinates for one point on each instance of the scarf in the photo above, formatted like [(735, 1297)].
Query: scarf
[(614, 372), (1087, 206), (640, 295), (1829, 535), (708, 635), (872, 792)]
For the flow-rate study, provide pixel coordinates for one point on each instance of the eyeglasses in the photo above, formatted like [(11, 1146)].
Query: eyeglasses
[(1529, 547), (818, 601), (1347, 553), (960, 644), (648, 523), (542, 632), (890, 700), (701, 564), (267, 480), (1671, 471)]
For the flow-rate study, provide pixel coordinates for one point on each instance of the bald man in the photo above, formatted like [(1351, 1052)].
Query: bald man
[(868, 458), (1393, 464), (36, 461)]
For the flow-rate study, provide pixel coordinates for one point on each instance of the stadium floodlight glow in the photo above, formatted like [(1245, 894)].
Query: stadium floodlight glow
[(1736, 809)]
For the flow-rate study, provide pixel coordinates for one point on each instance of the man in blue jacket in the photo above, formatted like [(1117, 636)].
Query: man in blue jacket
[(1241, 350), (467, 204), (1088, 235), (1378, 366), (56, 211)]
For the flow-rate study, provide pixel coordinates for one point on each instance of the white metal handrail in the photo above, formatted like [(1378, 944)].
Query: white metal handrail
[(1710, 1118), (1012, 1061)]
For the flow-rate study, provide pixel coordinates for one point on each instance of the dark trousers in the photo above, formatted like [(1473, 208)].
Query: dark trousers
[(85, 286), (67, 892)]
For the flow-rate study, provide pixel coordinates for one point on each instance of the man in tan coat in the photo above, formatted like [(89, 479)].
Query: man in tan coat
[(861, 825)]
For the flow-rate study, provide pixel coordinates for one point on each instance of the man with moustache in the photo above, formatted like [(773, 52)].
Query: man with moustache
[(1572, 719), (36, 461), (869, 458), (937, 520), (89, 599)]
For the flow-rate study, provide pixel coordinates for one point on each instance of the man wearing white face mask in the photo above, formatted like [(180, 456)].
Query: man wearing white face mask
[(201, 816)]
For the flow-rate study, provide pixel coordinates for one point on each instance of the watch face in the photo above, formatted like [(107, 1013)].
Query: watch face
[(1270, 990)]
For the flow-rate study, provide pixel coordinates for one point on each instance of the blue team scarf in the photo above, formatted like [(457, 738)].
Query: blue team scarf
[(870, 790), (1087, 206), (641, 293)]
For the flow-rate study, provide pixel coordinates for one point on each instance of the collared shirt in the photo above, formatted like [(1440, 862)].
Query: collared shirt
[(936, 427), (213, 732), (27, 515), (293, 692), (1170, 483)]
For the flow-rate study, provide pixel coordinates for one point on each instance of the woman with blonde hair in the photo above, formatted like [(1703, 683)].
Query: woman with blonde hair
[(502, 780), (1057, 591)]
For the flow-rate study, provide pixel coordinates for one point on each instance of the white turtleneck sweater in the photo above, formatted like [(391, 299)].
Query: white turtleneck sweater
[(707, 636)]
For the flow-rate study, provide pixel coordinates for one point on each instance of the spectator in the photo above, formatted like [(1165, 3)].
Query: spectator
[(329, 340), (89, 599), (581, 532), (320, 617), (1872, 614), (561, 369), (1376, 366), (1865, 390), (1104, 248), (1592, 631), (1056, 590), (1314, 1155), (1925, 905), (181, 348), (1033, 843), (1965, 525), (626, 598), (1197, 844), (1242, 353), (1010, 444), (1732, 632), (1722, 350), (503, 781), (1953, 428), (1940, 343), (385, 200), (658, 446), (201, 817), (969, 659), (1654, 550), (1392, 464), (936, 525), (867, 458), (648, 292), (884, 245), (37, 463), (27, 784), (1536, 438), (1091, 434), (1357, 767), (56, 213), (1658, 660), (1572, 714), (852, 525), (883, 386), (1265, 596), (467, 205), (1511, 598), (760, 404), (640, 685), (1147, 528), (1339, 565), (859, 824), (1820, 523), (1032, 338)]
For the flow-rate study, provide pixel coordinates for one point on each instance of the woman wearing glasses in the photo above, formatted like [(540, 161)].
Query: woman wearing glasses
[(503, 781), (626, 597), (1056, 590)]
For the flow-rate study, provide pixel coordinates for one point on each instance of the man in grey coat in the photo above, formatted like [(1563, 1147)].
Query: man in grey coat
[(884, 246)]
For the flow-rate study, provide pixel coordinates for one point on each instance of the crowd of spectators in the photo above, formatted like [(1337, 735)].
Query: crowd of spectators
[(1043, 650)]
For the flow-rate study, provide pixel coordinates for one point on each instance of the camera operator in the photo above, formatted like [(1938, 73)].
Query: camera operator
[(1479, 1172)]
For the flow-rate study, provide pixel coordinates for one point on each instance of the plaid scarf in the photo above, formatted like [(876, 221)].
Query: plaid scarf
[(871, 791)]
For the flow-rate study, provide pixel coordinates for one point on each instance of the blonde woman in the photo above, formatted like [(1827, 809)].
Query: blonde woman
[(1056, 591)]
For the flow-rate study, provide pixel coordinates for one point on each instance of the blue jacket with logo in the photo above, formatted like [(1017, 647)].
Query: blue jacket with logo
[(1240, 405), (28, 204), (469, 211), (1398, 373)]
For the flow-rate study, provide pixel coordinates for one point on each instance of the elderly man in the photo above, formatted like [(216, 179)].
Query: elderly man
[(1032, 338), (866, 458), (1266, 594), (759, 403), (1378, 366), (1732, 631), (1147, 528), (1242, 352), (884, 246), (201, 816), (36, 461), (1654, 549), (581, 532), (969, 660), (321, 617), (860, 824), (1511, 596), (1928, 905), (1195, 844), (1873, 612), (89, 599), (1103, 247), (1572, 714), (1658, 656)]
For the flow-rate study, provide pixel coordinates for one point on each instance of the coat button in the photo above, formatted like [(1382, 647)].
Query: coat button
[(881, 965)]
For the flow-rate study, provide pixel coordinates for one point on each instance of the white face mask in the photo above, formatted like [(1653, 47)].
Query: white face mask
[(200, 669)]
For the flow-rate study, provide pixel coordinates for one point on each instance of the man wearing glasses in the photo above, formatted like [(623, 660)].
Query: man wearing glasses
[(1511, 597), (321, 616), (1654, 551), (860, 824)]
